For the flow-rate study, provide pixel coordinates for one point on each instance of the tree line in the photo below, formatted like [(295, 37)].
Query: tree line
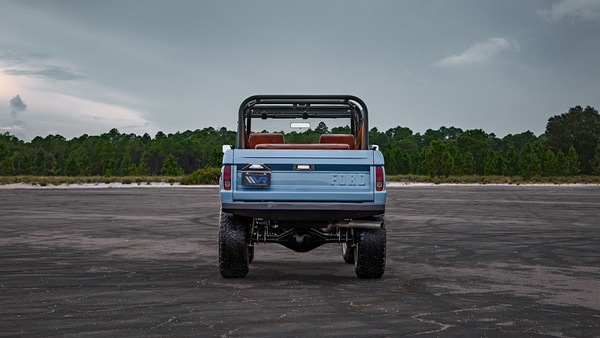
[(114, 154), (569, 146)]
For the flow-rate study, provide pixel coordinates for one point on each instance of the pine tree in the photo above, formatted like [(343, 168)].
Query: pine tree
[(39, 163), (55, 169), (143, 168), (511, 162), (110, 168), (85, 165), (73, 167), (416, 163), (7, 167), (170, 167), (447, 164), (467, 163), (550, 163), (492, 163), (595, 162), (127, 167), (578, 128), (562, 167), (531, 164), (438, 160), (573, 161), (24, 166)]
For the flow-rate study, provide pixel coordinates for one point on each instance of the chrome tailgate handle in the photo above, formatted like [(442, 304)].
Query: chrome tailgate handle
[(304, 167)]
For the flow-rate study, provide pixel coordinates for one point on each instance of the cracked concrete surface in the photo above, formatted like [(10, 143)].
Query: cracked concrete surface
[(462, 260)]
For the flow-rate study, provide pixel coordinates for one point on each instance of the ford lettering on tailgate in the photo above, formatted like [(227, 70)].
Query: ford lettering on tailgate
[(348, 179)]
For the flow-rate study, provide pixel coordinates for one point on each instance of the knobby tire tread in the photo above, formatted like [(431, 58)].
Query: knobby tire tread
[(233, 247), (371, 253)]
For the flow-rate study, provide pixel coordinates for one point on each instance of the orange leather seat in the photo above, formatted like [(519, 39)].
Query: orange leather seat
[(338, 139), (264, 138)]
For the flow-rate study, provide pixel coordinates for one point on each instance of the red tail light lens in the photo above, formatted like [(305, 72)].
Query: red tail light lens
[(227, 177), (379, 179)]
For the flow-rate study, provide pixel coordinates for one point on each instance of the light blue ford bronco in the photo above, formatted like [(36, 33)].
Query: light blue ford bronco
[(303, 174)]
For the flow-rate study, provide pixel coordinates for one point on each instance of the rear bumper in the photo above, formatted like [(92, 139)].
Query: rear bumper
[(303, 211)]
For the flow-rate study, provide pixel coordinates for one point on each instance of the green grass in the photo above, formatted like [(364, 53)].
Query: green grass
[(479, 179), (211, 176), (200, 176), (69, 180)]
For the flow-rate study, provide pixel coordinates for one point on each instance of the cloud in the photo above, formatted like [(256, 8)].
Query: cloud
[(16, 128), (478, 53), (17, 106), (49, 72), (11, 58), (35, 65), (580, 9), (80, 111)]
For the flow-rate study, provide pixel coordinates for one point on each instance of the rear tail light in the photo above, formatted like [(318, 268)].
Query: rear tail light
[(227, 177), (379, 179)]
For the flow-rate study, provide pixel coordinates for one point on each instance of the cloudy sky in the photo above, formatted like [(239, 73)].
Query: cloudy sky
[(83, 67)]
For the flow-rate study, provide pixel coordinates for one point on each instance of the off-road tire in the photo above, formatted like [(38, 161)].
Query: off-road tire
[(348, 253), (369, 252), (250, 253), (233, 246)]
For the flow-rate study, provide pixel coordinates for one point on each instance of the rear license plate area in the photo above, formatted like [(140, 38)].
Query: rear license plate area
[(256, 179)]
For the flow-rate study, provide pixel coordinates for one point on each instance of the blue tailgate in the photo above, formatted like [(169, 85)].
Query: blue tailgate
[(307, 175)]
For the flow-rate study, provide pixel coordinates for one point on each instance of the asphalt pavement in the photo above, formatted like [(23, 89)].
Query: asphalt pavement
[(142, 261)]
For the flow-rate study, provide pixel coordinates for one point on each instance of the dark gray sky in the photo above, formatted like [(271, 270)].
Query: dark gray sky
[(84, 67)]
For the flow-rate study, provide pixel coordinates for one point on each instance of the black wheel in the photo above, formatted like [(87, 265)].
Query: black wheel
[(369, 254), (233, 246), (250, 253), (348, 253)]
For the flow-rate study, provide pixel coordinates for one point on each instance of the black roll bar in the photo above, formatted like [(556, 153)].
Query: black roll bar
[(297, 103)]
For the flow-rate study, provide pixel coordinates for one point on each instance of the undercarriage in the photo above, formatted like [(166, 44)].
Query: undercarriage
[(304, 237), (363, 241)]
